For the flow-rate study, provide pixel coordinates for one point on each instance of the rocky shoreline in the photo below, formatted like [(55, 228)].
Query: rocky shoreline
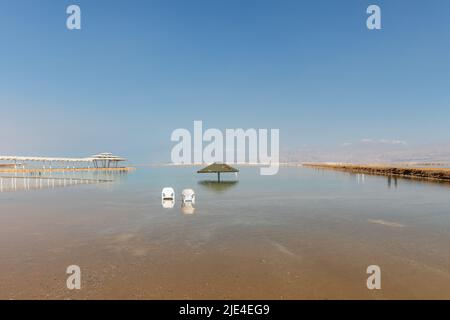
[(434, 174)]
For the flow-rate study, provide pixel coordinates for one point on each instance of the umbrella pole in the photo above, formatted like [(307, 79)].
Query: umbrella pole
[(218, 176)]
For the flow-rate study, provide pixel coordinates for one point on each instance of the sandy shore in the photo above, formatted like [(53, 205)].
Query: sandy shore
[(432, 174)]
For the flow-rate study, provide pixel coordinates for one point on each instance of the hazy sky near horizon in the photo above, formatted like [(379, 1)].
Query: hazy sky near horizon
[(137, 70)]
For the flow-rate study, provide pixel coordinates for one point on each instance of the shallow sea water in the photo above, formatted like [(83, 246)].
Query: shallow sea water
[(301, 234)]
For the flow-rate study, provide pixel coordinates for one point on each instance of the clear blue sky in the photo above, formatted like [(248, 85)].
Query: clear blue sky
[(139, 69)]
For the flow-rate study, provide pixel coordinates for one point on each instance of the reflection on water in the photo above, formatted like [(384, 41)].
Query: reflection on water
[(360, 178), (14, 184), (217, 186), (187, 208), (389, 181), (392, 181), (49, 180), (167, 203), (93, 175)]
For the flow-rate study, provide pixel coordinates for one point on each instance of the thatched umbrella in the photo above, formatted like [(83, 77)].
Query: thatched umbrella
[(218, 168)]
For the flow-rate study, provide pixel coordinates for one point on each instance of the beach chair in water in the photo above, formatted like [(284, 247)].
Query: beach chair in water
[(188, 196), (168, 194)]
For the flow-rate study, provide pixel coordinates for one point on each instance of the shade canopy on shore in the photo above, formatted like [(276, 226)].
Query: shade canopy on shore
[(218, 168)]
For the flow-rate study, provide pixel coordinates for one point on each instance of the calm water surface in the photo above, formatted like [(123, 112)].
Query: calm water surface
[(302, 234)]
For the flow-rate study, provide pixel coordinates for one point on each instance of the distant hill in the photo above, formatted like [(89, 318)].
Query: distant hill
[(373, 152)]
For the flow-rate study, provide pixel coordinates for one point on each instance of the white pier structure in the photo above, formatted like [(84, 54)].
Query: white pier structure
[(101, 160)]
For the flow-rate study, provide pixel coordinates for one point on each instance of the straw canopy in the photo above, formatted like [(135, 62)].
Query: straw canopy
[(218, 168)]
